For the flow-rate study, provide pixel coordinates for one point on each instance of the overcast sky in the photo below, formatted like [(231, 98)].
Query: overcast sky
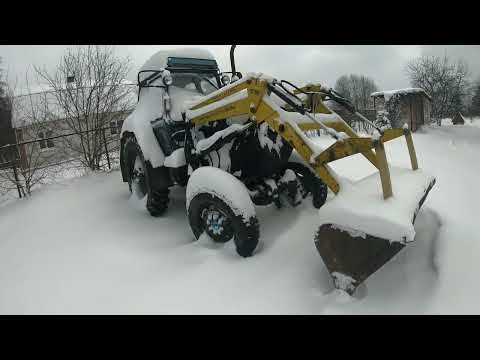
[(296, 63)]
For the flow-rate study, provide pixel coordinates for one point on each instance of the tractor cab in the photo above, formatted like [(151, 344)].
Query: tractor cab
[(201, 75), (168, 82)]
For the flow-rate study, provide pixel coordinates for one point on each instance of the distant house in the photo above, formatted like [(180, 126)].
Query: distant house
[(458, 119), (40, 105), (411, 106)]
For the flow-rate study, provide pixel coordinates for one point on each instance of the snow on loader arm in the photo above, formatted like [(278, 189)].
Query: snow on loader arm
[(361, 228)]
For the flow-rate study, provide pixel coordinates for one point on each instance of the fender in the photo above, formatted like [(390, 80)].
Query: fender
[(148, 108)]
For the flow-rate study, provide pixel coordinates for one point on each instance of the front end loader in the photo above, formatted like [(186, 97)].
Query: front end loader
[(368, 221), (236, 142)]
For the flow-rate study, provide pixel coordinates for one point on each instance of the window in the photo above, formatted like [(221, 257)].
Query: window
[(203, 84), (113, 127), (46, 143), (50, 143), (42, 142), (116, 127)]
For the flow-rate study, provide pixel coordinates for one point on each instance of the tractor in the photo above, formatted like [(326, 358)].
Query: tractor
[(237, 141)]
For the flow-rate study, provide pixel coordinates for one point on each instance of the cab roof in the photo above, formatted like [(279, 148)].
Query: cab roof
[(159, 60)]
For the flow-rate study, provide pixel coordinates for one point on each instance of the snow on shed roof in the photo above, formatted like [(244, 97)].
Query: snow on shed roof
[(159, 60), (389, 93)]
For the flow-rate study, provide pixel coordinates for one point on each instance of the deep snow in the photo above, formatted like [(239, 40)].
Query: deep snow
[(86, 246)]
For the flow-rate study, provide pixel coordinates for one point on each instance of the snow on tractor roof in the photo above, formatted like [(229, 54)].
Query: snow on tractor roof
[(389, 93), (159, 60)]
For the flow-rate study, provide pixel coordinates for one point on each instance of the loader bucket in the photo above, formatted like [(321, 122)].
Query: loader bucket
[(352, 255), (352, 259)]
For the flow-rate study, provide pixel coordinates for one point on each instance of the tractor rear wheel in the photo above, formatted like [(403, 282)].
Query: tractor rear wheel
[(138, 175)]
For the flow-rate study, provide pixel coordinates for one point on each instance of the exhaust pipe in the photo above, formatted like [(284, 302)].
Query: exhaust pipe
[(232, 59)]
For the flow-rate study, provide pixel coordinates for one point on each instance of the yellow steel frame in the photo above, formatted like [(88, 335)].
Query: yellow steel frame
[(259, 111)]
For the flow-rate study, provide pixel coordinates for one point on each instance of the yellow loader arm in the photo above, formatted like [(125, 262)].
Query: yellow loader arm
[(252, 96), (357, 234)]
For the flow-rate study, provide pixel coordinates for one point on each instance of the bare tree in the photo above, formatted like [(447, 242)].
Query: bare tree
[(90, 91), (32, 121), (446, 82), (357, 88)]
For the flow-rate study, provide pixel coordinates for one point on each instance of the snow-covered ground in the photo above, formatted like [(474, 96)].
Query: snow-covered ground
[(86, 246), (469, 121), (50, 174)]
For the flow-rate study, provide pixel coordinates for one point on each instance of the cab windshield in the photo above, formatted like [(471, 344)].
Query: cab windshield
[(204, 84)]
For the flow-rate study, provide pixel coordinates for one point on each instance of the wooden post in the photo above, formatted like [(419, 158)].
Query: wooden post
[(411, 149), (106, 148), (383, 169)]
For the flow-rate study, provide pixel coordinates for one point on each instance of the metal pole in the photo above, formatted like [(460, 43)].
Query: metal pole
[(106, 149)]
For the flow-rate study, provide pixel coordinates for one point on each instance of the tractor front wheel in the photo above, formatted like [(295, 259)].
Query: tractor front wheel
[(219, 205)]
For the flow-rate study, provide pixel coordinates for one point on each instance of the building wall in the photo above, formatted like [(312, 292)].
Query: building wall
[(64, 148)]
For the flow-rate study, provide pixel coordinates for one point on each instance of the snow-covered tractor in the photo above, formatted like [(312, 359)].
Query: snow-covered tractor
[(236, 142)]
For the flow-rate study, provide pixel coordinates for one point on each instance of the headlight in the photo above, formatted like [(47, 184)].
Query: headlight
[(225, 79), (167, 78)]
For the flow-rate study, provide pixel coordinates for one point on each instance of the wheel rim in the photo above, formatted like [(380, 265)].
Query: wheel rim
[(217, 224), (139, 184)]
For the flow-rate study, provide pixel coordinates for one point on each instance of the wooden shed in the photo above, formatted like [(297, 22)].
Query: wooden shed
[(458, 119), (411, 106)]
